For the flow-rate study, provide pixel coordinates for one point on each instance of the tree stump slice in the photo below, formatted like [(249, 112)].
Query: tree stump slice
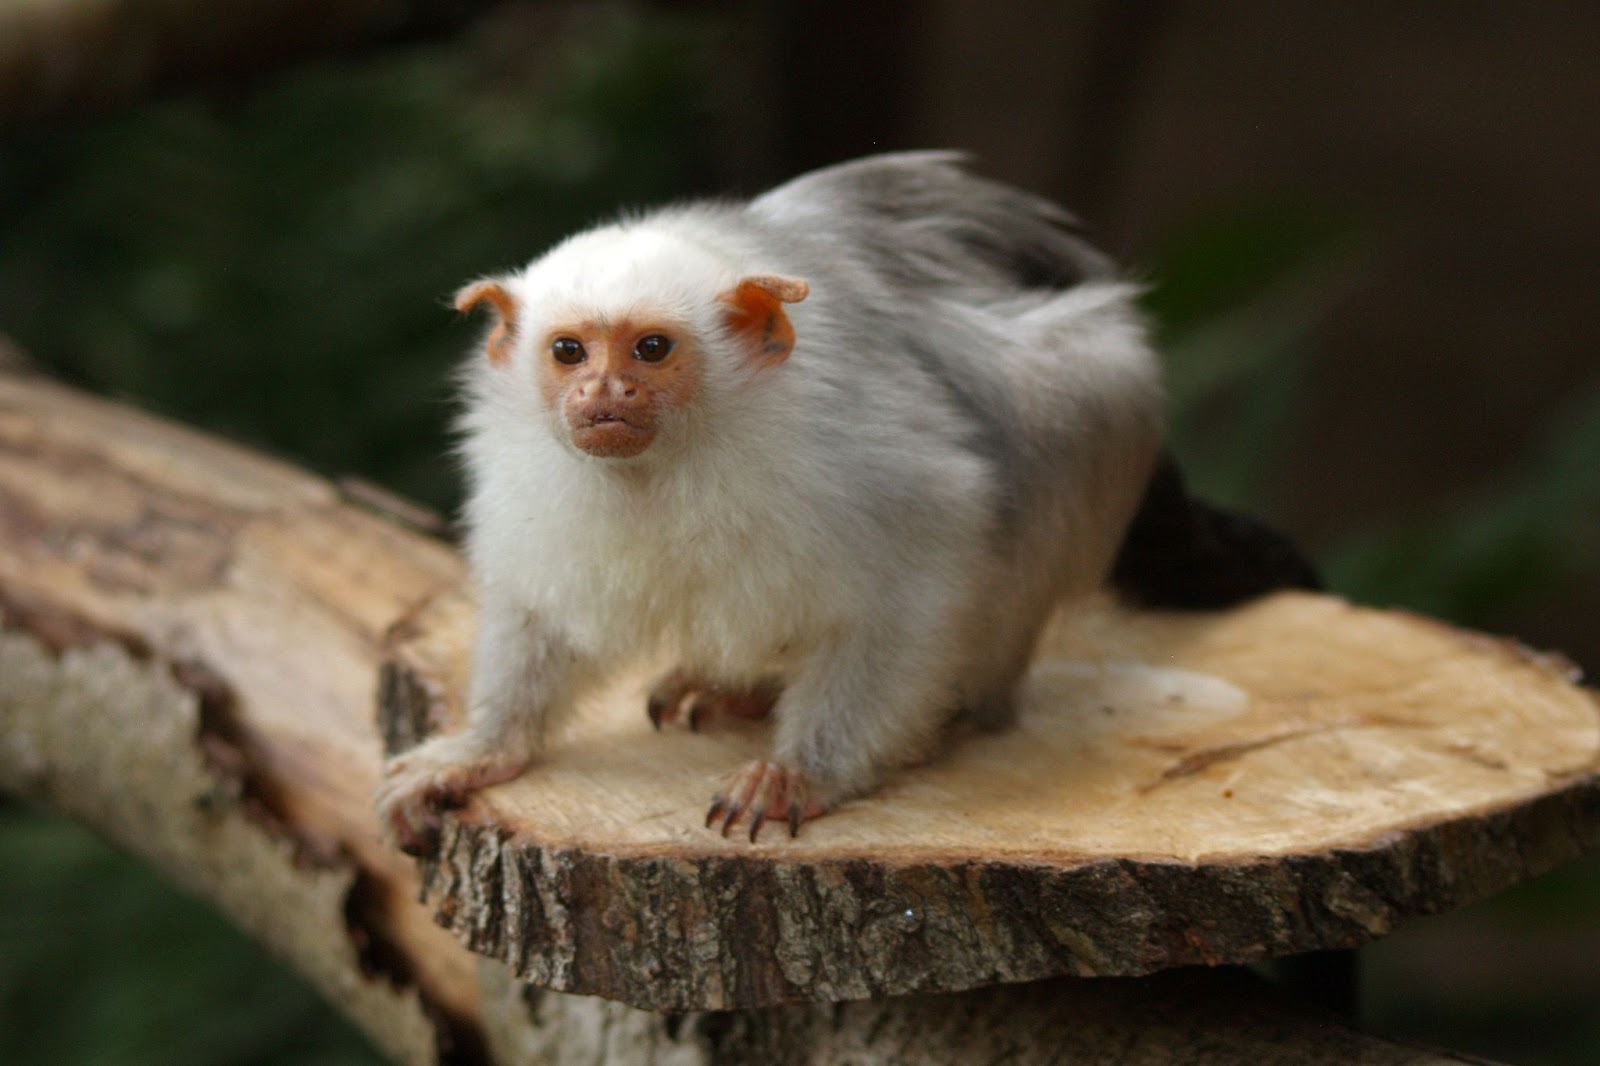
[(1182, 788)]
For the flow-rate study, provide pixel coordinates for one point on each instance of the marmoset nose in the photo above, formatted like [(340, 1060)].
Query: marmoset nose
[(608, 387)]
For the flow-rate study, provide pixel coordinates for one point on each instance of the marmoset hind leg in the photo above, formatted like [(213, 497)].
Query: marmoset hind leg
[(1002, 639)]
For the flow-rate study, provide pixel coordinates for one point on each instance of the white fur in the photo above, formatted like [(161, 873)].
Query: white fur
[(886, 533)]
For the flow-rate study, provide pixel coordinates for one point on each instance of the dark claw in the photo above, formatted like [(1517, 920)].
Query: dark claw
[(757, 817), (696, 714), (734, 810), (657, 710), (419, 836), (794, 820), (421, 845), (717, 806)]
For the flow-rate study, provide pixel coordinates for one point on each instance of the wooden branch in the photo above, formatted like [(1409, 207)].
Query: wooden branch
[(61, 56), (190, 638)]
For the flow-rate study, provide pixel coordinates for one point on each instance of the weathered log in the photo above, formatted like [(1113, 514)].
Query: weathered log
[(190, 637), (1295, 775)]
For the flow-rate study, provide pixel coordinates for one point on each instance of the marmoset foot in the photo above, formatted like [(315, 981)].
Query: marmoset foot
[(763, 790), (678, 696), (436, 776)]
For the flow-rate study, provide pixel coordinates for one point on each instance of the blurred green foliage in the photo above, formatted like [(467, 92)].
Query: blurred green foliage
[(276, 266)]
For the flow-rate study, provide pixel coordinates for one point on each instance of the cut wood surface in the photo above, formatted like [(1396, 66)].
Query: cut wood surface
[(1292, 775), (190, 641)]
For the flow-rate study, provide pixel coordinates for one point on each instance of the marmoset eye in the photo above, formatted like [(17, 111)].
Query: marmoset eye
[(567, 351), (652, 349)]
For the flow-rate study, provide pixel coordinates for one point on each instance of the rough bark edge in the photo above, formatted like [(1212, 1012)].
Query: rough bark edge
[(141, 749), (746, 932)]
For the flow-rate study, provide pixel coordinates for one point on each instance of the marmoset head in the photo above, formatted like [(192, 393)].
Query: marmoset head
[(614, 329)]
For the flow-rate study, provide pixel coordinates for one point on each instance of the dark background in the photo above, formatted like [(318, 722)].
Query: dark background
[(1368, 229)]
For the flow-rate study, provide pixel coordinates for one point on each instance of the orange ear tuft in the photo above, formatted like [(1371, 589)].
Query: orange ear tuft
[(755, 313), (496, 296)]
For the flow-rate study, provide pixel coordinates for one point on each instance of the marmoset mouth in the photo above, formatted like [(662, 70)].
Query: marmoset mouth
[(611, 434), (638, 417)]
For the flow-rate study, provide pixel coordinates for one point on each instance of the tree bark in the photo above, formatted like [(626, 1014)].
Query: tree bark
[(190, 640)]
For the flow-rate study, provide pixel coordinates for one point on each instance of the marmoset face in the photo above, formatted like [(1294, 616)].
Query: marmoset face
[(611, 382), (614, 374)]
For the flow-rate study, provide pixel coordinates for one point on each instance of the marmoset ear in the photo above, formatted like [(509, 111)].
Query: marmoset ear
[(495, 295), (755, 314)]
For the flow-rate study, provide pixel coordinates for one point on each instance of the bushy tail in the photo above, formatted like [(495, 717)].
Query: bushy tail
[(1184, 553)]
